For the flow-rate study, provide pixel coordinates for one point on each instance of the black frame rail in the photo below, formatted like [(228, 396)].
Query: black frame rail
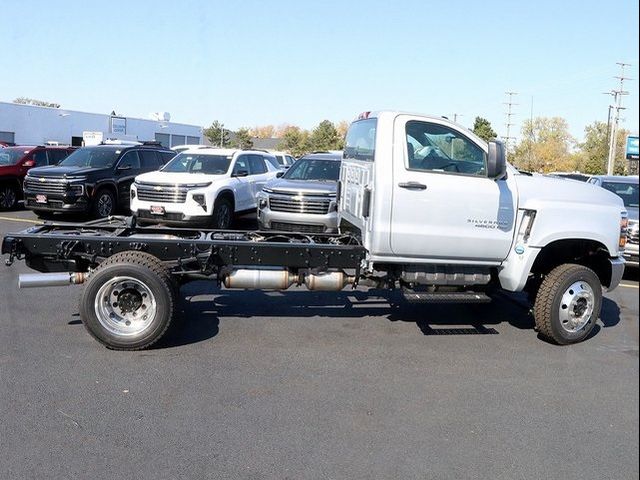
[(79, 247)]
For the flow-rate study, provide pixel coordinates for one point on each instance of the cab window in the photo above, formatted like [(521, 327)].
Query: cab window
[(256, 165), (130, 160), (436, 148)]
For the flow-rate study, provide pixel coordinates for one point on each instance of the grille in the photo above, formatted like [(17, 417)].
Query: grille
[(292, 227), (149, 192), (299, 204), (48, 186), (632, 233)]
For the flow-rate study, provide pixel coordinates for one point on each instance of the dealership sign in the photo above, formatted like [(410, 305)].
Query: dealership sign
[(91, 138), (632, 147), (119, 125)]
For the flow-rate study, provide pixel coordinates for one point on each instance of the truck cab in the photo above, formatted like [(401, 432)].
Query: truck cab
[(442, 208)]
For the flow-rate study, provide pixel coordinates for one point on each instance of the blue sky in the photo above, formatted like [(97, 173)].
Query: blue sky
[(250, 63)]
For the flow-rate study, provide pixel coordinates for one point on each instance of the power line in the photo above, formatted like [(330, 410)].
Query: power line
[(508, 117), (617, 106)]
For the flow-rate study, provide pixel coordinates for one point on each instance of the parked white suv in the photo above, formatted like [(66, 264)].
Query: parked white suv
[(202, 186)]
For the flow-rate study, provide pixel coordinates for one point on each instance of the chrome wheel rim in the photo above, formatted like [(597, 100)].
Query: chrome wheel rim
[(105, 205), (125, 306), (7, 197), (576, 306), (224, 216)]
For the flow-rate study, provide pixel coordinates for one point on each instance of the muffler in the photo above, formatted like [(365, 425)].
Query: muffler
[(57, 279), (328, 281), (263, 279)]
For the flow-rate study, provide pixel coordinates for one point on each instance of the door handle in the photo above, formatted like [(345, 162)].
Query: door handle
[(412, 186)]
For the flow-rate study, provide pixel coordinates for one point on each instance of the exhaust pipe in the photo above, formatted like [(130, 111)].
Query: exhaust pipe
[(57, 279), (281, 279)]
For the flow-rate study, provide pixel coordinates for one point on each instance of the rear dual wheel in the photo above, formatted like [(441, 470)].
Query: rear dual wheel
[(129, 301)]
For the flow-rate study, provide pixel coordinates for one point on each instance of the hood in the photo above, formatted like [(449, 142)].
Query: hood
[(62, 171), (309, 187), (532, 189), (175, 178)]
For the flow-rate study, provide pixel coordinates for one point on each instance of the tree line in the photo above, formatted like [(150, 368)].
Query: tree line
[(547, 146), (293, 139)]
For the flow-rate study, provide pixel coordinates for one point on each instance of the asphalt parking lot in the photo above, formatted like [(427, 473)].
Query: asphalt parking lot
[(301, 385)]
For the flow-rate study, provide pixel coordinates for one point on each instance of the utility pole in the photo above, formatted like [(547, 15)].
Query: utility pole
[(455, 117), (509, 114), (617, 106)]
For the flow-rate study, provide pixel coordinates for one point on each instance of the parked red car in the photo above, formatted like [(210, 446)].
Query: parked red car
[(16, 161)]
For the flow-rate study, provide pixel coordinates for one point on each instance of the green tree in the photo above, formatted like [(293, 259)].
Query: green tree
[(482, 128), (33, 101), (217, 134), (295, 141), (325, 137), (594, 151), (546, 146), (243, 139)]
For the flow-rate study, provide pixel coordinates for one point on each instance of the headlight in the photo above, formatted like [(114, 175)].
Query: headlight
[(622, 241), (200, 199), (77, 189)]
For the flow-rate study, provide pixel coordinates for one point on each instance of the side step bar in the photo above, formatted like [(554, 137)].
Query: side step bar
[(445, 297)]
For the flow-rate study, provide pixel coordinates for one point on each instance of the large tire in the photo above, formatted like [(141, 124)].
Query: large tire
[(104, 204), (222, 217), (8, 197), (129, 301), (568, 304)]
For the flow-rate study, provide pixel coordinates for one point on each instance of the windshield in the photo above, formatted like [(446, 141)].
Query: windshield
[(628, 192), (11, 156), (97, 157), (312, 169), (194, 163)]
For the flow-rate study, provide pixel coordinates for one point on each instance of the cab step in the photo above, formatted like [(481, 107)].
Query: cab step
[(445, 297)]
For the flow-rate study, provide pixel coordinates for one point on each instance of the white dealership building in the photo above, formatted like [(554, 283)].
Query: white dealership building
[(35, 125)]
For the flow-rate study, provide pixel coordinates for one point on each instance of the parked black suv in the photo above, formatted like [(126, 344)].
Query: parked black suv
[(93, 180)]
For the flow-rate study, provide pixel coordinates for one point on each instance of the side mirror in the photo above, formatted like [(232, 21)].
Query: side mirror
[(279, 174), (29, 163), (241, 173), (497, 160)]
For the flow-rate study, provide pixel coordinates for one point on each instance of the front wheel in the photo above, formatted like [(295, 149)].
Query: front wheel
[(104, 204), (568, 303), (222, 214), (8, 197), (129, 301)]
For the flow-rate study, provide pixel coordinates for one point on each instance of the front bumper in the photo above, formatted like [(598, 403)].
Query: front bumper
[(57, 203), (172, 218), (617, 271), (306, 222)]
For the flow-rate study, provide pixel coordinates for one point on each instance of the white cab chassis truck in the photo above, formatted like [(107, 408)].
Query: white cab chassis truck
[(426, 207)]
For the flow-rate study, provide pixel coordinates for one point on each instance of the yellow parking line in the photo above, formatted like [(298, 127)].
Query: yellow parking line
[(23, 220), (628, 286)]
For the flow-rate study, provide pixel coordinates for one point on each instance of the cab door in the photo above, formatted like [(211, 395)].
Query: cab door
[(126, 171), (241, 183), (444, 207), (259, 175)]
